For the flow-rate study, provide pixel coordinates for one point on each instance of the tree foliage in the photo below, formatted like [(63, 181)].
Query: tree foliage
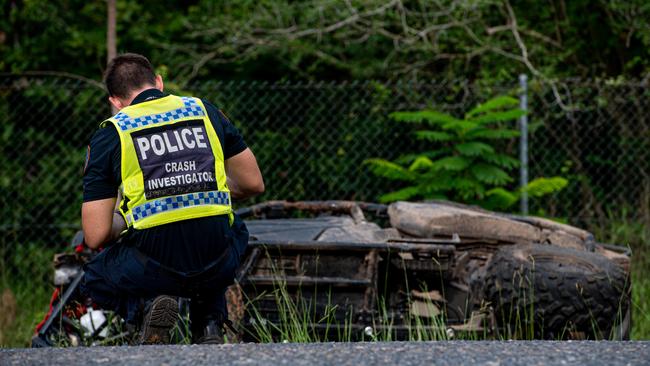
[(463, 163), (318, 39)]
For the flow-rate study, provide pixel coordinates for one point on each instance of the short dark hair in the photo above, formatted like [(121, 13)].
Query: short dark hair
[(126, 73)]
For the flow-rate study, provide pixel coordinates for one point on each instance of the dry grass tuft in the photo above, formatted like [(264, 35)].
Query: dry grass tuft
[(7, 312)]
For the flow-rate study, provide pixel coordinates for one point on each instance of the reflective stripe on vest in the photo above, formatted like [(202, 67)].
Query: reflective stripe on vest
[(190, 109), (172, 163), (175, 202)]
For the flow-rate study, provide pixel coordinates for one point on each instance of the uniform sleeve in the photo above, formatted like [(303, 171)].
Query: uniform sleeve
[(102, 170), (232, 141)]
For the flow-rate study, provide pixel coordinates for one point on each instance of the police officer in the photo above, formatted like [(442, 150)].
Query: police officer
[(177, 163)]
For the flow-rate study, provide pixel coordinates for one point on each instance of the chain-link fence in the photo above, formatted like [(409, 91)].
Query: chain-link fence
[(596, 134), (311, 140)]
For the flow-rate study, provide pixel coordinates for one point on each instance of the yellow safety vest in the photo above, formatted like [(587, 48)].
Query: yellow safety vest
[(172, 163)]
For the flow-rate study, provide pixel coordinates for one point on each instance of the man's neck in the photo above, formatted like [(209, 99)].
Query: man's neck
[(137, 92)]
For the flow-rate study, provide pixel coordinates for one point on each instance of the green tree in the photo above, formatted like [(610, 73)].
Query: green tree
[(316, 39)]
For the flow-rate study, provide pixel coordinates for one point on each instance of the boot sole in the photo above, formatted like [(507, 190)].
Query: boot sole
[(160, 320)]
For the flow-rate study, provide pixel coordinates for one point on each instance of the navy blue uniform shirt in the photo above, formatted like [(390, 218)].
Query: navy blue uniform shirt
[(186, 245)]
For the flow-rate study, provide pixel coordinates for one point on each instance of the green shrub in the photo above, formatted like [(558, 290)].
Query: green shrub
[(465, 162)]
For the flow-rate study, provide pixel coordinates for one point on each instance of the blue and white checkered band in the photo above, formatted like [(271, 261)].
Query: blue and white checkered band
[(180, 201), (190, 108)]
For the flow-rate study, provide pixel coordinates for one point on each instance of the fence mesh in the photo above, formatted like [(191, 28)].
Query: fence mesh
[(311, 140)]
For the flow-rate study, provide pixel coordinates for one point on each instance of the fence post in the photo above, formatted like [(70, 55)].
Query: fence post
[(523, 142)]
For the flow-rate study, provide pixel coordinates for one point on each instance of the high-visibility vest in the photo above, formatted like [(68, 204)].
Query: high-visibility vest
[(172, 163)]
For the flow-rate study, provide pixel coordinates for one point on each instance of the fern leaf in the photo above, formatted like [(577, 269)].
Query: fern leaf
[(492, 104), (542, 186), (429, 117), (400, 195), (485, 133), (465, 184), (468, 188), (436, 183), (421, 162), (502, 160), (409, 117), (451, 163), (387, 169), (490, 174), (410, 158), (435, 196), (492, 117), (433, 136), (460, 125), (474, 148), (499, 199)]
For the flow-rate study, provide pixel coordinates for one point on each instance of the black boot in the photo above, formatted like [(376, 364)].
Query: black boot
[(159, 320), (212, 333)]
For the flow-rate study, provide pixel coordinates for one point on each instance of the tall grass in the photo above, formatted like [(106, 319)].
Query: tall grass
[(26, 274), (519, 320), (634, 234), (298, 320)]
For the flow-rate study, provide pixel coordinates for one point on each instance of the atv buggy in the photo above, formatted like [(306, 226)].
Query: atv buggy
[(436, 270)]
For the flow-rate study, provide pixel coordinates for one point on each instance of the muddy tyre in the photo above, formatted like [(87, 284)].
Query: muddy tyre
[(549, 292)]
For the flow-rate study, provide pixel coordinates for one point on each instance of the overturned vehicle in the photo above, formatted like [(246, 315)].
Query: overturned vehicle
[(344, 270)]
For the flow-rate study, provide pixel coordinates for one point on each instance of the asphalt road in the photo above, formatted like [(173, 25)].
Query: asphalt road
[(395, 353)]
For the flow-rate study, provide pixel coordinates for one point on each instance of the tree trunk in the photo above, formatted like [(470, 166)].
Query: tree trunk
[(111, 38)]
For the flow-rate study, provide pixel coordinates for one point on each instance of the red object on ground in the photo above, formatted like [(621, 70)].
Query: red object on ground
[(79, 310), (55, 296)]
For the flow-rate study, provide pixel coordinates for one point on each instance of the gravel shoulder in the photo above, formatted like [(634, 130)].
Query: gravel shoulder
[(392, 353)]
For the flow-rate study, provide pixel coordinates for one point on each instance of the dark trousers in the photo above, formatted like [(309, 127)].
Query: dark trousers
[(122, 279)]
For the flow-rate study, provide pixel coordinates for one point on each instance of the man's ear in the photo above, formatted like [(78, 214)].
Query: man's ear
[(116, 102), (159, 83)]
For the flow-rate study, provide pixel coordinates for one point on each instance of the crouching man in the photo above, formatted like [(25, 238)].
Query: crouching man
[(178, 163)]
